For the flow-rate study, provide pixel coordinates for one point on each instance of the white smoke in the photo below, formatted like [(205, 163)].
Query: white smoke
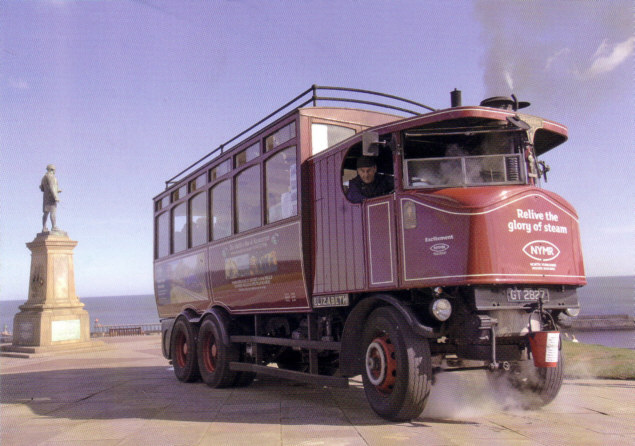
[(556, 51), (470, 394)]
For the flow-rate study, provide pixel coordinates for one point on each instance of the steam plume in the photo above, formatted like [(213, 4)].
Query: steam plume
[(556, 52)]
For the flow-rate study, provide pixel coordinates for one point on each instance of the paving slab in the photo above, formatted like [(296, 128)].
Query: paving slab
[(128, 395)]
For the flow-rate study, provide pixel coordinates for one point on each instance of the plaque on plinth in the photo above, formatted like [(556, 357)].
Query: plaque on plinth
[(52, 319)]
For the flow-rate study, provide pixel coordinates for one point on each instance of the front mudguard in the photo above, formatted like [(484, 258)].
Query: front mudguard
[(351, 354)]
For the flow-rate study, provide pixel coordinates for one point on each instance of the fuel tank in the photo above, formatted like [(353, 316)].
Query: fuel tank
[(488, 235)]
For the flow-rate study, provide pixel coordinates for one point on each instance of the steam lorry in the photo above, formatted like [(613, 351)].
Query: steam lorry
[(262, 264)]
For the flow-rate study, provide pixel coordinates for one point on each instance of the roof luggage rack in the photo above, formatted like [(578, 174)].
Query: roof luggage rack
[(311, 96)]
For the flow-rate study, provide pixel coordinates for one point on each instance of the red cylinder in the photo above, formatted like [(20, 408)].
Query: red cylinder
[(544, 347)]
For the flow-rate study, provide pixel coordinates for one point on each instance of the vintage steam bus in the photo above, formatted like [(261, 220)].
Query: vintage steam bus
[(263, 265)]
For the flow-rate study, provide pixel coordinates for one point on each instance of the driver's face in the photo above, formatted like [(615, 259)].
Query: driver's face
[(367, 174)]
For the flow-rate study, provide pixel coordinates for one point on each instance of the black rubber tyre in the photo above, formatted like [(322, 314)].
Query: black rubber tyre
[(214, 356), (397, 366), (531, 387), (183, 348)]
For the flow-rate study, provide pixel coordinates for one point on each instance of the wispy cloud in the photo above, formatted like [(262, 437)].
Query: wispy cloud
[(555, 58), (608, 57)]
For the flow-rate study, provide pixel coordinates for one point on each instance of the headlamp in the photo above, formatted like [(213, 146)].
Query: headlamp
[(441, 309)]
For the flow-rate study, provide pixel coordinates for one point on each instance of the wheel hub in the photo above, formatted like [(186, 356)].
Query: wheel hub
[(381, 365), (211, 353), (181, 350)]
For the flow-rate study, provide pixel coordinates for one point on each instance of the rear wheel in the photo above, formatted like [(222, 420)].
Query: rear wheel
[(533, 387), (214, 356), (397, 366), (183, 348)]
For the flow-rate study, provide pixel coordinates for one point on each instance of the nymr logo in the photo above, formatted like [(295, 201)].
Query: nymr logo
[(541, 250), (439, 249)]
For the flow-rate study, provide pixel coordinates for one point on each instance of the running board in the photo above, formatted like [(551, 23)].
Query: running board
[(286, 342), (319, 380)]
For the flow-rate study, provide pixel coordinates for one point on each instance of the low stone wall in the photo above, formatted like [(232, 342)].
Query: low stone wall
[(604, 322)]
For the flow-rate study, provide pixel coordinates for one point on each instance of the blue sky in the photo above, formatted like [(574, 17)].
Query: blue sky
[(121, 95)]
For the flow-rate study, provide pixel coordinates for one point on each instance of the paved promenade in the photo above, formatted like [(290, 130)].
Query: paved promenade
[(128, 395)]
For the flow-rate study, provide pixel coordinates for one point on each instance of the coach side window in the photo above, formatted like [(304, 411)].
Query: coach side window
[(248, 209), (247, 155), (198, 219), (281, 187), (281, 136), (179, 228), (221, 210), (324, 136), (163, 234)]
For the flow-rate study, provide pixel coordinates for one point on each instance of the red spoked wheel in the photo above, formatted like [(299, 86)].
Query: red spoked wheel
[(397, 366), (214, 355), (183, 348), (381, 365), (209, 352)]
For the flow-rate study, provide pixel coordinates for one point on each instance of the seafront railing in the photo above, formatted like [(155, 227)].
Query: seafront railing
[(99, 330)]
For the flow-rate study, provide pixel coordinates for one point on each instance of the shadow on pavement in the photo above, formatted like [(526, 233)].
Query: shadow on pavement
[(154, 393)]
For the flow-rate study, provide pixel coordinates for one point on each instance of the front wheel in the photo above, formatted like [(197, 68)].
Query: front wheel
[(397, 366), (531, 387)]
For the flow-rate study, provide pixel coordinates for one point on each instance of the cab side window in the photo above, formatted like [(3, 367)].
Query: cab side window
[(365, 176)]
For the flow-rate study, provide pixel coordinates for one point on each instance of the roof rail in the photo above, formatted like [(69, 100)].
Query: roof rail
[(301, 101)]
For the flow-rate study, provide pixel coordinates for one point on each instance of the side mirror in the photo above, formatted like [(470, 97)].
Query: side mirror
[(370, 144)]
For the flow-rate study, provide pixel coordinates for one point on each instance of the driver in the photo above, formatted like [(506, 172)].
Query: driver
[(368, 183)]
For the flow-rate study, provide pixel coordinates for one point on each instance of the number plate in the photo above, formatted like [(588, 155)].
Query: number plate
[(527, 294), (336, 300)]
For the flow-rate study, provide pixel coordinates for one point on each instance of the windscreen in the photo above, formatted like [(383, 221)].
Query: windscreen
[(463, 157)]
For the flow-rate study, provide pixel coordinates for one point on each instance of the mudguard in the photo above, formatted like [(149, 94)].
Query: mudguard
[(351, 356), (167, 324)]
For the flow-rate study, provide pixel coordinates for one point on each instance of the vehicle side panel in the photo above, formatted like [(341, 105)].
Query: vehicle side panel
[(182, 282), (380, 224), (262, 271), (477, 237), (339, 234), (436, 247)]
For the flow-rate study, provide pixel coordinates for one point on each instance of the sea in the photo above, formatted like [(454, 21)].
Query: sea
[(601, 296)]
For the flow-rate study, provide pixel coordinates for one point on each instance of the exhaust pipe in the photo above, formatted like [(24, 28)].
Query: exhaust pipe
[(455, 98)]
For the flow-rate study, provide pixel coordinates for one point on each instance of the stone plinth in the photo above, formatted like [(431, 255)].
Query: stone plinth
[(53, 318)]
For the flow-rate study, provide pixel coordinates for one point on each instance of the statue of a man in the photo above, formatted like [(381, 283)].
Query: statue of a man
[(51, 197)]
